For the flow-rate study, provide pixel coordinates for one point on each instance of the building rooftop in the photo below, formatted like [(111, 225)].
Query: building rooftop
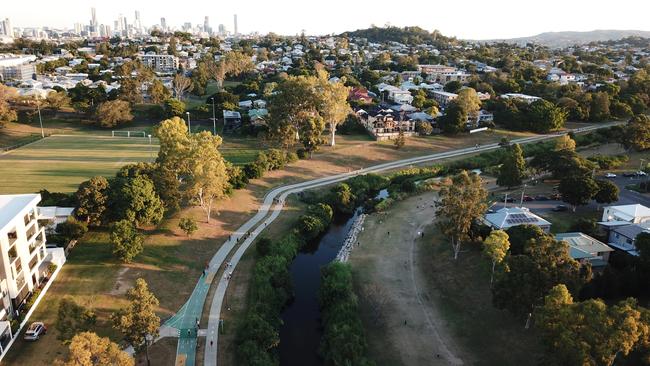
[(582, 245), (632, 230), (632, 211), (513, 216), (11, 205)]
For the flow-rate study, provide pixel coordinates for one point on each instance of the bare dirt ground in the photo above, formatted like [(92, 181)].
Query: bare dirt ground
[(403, 325)]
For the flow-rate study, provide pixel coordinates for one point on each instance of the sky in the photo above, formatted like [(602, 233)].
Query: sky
[(467, 19)]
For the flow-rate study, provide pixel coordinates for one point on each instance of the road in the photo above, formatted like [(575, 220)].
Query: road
[(243, 237)]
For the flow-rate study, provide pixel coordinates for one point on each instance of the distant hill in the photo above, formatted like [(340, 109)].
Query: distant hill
[(406, 35), (565, 39)]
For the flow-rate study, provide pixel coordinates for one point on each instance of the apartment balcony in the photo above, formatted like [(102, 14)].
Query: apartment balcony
[(12, 253), (12, 237), (29, 218), (33, 263), (37, 242), (32, 232)]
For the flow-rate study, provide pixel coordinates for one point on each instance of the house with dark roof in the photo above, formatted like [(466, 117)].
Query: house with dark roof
[(623, 237)]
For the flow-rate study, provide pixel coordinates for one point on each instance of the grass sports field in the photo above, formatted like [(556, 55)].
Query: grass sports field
[(60, 163)]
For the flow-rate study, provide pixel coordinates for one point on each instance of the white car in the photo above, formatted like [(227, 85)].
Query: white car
[(641, 173), (35, 331), (610, 175)]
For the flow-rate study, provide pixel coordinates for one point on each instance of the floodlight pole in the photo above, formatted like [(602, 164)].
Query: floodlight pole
[(214, 119), (40, 120), (189, 124), (149, 145)]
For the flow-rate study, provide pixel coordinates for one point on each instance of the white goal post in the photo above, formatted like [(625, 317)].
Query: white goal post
[(128, 134)]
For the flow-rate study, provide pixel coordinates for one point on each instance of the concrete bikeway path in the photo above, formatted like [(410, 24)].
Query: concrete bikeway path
[(275, 200)]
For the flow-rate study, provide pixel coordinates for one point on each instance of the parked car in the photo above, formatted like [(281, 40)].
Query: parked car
[(641, 173), (509, 199), (610, 175), (35, 331), (629, 174), (541, 197), (528, 198), (560, 208), (556, 197)]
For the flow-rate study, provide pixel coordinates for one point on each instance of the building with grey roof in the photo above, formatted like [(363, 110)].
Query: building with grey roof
[(584, 248)]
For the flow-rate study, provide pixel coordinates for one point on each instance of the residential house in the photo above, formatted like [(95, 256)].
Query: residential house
[(633, 214), (360, 95), (584, 248), (386, 124), (231, 120), (246, 104), (508, 217), (623, 237)]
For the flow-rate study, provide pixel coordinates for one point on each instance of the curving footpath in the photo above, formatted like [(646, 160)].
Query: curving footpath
[(248, 232)]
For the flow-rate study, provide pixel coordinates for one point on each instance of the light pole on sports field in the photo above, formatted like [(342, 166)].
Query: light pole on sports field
[(189, 124), (40, 120), (214, 119), (149, 145)]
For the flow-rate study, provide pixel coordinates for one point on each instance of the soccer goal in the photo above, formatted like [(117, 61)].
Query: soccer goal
[(128, 134)]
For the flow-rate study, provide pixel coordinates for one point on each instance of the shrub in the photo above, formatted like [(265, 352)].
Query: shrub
[(237, 177), (342, 328), (424, 128), (263, 246), (72, 229), (609, 162), (188, 225), (275, 159), (310, 226), (323, 211), (302, 153), (292, 157), (253, 170), (173, 108)]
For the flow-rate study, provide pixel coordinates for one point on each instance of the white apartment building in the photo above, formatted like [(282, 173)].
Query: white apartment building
[(17, 67), (160, 63), (443, 74), (443, 98), (22, 251), (526, 98)]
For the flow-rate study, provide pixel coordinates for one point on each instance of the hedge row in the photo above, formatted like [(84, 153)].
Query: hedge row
[(272, 159), (343, 341)]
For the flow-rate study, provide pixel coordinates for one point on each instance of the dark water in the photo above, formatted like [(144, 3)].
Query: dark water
[(300, 335)]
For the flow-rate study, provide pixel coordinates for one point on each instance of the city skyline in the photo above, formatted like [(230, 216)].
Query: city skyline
[(501, 19)]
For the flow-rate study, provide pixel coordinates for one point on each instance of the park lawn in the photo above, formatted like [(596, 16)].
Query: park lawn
[(11, 136), (60, 163), (495, 337), (562, 221)]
